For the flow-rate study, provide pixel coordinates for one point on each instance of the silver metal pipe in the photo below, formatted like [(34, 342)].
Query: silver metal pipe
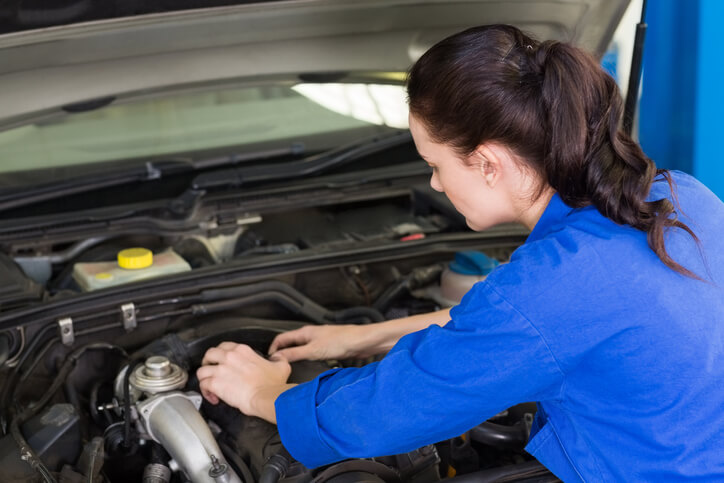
[(173, 420)]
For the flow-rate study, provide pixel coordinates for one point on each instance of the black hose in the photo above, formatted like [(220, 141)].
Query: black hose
[(529, 469), (218, 300), (498, 435), (93, 408), (367, 313), (416, 278), (310, 312), (275, 467), (71, 394), (301, 302), (392, 293), (235, 460)]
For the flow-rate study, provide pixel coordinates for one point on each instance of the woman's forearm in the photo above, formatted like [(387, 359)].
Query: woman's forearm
[(386, 334)]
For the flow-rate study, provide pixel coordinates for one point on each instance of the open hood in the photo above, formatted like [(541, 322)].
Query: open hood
[(74, 63)]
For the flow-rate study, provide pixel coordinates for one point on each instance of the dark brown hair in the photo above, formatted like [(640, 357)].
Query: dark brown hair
[(556, 108)]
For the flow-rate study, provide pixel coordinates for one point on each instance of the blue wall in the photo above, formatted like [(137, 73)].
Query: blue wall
[(682, 100)]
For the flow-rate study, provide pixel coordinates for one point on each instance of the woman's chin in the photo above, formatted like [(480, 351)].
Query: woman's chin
[(473, 226)]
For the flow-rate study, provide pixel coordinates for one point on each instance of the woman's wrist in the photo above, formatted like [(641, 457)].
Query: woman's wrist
[(262, 402)]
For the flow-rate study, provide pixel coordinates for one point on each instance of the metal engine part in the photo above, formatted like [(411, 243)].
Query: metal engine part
[(156, 473), (172, 419), (158, 375)]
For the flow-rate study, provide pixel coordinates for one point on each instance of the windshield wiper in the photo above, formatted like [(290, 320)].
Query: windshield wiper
[(232, 177), (239, 176), (18, 196)]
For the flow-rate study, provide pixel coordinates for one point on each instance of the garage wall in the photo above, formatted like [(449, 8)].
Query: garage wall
[(680, 123)]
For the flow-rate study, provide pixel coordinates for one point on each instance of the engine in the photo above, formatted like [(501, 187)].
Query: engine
[(98, 376), (139, 417)]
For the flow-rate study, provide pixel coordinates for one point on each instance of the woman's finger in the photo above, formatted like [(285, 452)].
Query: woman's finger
[(227, 346), (292, 354), (204, 372), (286, 339), (206, 391), (214, 355)]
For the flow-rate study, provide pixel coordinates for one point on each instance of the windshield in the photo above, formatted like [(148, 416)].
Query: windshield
[(199, 121)]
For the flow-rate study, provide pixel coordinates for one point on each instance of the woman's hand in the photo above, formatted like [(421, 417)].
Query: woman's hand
[(323, 342), (241, 378)]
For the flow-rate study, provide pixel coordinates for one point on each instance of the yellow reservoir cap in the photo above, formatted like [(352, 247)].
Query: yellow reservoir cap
[(135, 258)]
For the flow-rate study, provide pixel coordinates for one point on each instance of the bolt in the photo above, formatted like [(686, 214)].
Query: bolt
[(217, 469)]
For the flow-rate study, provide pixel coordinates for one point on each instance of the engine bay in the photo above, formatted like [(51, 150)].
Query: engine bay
[(98, 382)]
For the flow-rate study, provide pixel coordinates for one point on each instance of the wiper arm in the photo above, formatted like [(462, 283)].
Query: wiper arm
[(234, 177), (29, 195)]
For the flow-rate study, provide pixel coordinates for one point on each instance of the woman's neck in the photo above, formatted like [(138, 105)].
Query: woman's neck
[(529, 217)]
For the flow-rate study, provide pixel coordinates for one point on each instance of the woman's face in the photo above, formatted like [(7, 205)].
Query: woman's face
[(465, 181)]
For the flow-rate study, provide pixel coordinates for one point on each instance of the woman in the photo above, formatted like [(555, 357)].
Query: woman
[(611, 315)]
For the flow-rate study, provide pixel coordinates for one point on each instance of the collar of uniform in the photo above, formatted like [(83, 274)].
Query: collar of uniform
[(554, 212)]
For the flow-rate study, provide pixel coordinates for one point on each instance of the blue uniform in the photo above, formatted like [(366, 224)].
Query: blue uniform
[(624, 356)]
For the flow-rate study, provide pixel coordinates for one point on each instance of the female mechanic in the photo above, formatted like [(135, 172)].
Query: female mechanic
[(610, 315)]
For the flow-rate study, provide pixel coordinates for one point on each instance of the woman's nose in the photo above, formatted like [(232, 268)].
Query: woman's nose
[(435, 183)]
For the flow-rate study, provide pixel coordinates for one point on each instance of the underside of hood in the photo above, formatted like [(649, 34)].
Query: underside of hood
[(44, 69)]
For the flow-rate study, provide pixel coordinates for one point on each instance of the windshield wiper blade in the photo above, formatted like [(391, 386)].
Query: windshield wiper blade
[(234, 177), (28, 195), (16, 197)]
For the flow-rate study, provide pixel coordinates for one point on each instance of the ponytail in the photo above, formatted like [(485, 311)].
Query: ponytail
[(555, 107), (586, 145)]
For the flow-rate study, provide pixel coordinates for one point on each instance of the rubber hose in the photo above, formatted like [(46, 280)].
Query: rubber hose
[(372, 315), (276, 467), (510, 437), (384, 301), (311, 313)]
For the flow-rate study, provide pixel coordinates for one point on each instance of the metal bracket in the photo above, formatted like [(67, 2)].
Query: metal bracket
[(128, 311), (67, 335)]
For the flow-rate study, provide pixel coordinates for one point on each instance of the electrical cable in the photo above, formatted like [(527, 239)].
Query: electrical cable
[(127, 400)]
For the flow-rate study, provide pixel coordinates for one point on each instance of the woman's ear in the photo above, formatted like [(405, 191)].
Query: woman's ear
[(490, 163)]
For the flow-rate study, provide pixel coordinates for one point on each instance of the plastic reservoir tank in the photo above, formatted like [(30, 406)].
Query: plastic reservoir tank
[(132, 264), (464, 271)]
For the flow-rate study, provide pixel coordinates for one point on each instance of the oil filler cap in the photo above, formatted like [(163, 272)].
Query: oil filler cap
[(135, 258)]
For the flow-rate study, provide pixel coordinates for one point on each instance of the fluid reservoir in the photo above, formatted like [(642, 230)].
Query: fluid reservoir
[(463, 272), (131, 265)]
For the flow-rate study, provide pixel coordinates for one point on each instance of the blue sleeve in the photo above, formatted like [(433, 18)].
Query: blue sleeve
[(433, 385)]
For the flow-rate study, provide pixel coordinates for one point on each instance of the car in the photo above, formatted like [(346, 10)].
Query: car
[(177, 174)]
